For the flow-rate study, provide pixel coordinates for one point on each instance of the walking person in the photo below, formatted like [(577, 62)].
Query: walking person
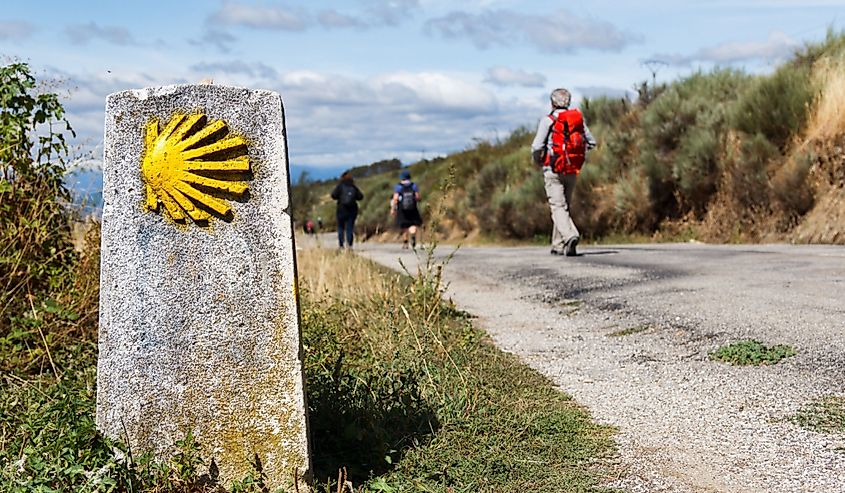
[(347, 195), (403, 206), (560, 146)]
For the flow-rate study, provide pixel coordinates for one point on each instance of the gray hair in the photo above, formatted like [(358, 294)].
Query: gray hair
[(561, 98)]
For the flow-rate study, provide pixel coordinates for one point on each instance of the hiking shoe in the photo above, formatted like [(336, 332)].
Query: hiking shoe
[(569, 247)]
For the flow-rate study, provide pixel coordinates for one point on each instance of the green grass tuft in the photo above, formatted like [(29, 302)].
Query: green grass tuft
[(629, 331), (824, 415), (751, 352)]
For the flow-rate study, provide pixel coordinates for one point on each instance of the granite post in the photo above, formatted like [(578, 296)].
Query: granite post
[(199, 318)]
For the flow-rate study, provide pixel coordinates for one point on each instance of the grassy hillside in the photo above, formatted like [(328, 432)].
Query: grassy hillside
[(718, 156)]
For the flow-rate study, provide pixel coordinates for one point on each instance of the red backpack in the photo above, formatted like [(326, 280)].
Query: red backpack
[(569, 147)]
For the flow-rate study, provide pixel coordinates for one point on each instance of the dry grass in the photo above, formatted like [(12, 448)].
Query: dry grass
[(328, 274), (824, 138), (828, 119)]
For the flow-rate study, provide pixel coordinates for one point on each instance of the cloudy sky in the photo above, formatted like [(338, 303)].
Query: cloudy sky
[(364, 80)]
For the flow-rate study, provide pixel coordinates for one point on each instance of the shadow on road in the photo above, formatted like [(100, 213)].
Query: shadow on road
[(597, 252)]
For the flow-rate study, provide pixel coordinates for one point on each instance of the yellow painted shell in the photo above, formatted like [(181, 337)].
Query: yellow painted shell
[(189, 164)]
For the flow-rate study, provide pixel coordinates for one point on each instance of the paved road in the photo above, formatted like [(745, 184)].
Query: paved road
[(686, 424)]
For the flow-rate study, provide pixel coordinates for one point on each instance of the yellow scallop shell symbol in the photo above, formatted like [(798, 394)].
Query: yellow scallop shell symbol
[(190, 164)]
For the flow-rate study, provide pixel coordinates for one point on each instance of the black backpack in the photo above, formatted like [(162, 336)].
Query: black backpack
[(348, 194), (408, 197)]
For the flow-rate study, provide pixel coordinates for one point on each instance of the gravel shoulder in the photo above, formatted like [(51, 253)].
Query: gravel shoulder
[(686, 424)]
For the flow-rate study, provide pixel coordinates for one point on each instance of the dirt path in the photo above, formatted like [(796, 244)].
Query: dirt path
[(686, 424)]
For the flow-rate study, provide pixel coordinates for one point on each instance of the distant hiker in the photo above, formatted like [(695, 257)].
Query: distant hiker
[(347, 196), (560, 146), (320, 223), (309, 227), (403, 205)]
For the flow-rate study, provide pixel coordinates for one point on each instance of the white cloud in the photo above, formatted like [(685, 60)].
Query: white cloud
[(84, 33), (392, 12), (218, 38), (338, 121), (504, 76), (376, 13), (777, 47), (259, 16), (599, 91), (436, 91), (567, 33), (334, 19), (15, 30), (257, 69)]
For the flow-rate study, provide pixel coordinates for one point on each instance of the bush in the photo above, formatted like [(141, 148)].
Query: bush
[(776, 106), (36, 252), (605, 110), (683, 134), (746, 178), (695, 168), (633, 203), (521, 211)]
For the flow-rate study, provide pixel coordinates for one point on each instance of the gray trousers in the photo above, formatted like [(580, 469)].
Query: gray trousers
[(559, 190)]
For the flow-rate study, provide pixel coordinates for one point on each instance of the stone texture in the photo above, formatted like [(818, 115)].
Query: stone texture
[(199, 326)]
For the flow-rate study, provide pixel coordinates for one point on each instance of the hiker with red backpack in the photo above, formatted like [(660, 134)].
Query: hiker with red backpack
[(403, 205), (560, 146), (347, 195)]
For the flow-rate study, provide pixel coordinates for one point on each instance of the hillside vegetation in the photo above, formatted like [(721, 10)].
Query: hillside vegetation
[(718, 156)]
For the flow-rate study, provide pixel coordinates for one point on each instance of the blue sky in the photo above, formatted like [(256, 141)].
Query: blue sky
[(374, 79)]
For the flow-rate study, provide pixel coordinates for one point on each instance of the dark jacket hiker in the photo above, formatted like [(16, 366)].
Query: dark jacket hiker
[(347, 195)]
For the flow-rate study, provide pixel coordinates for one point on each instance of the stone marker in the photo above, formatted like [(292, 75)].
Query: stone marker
[(199, 318)]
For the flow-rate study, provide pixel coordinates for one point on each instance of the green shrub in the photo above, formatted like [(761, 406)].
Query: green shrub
[(746, 179), (683, 137), (776, 106), (36, 251), (520, 211), (695, 168), (633, 202), (618, 149), (605, 110), (833, 44)]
